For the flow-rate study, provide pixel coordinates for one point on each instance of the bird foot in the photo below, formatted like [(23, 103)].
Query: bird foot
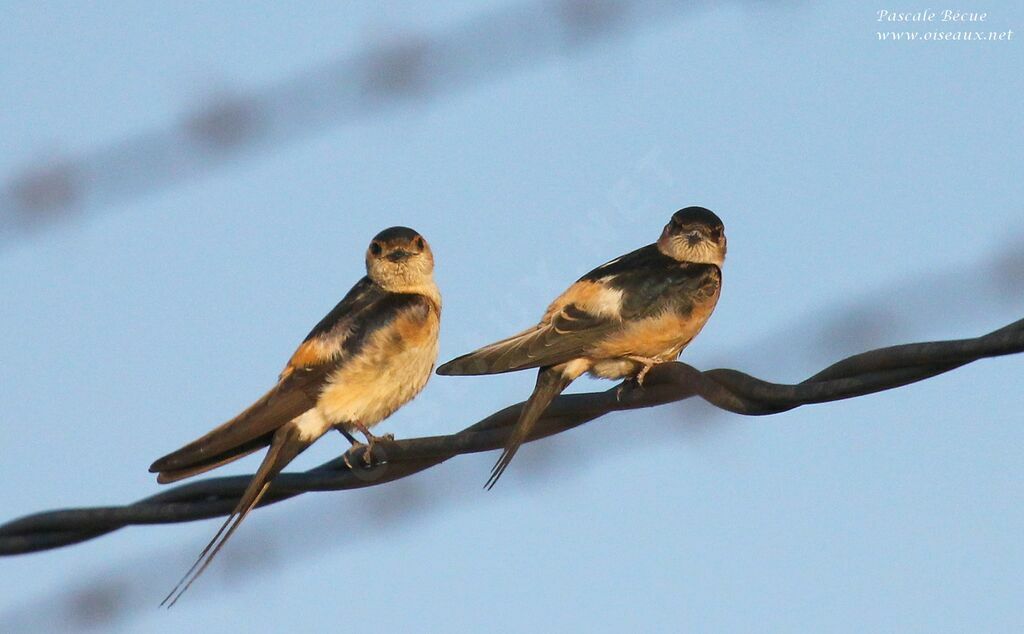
[(356, 446), (367, 454), (371, 442), (643, 372), (647, 364)]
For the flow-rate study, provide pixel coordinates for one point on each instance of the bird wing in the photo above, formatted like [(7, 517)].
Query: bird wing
[(241, 435), (327, 340), (567, 331), (337, 335), (654, 284), (586, 312)]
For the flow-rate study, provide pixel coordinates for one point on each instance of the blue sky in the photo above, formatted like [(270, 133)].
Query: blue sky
[(871, 193)]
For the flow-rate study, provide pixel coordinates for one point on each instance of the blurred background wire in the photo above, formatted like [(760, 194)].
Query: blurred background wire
[(393, 70)]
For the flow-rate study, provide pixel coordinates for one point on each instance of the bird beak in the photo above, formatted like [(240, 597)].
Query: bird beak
[(693, 238), (399, 255)]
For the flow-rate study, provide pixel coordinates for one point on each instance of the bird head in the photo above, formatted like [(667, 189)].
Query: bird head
[(694, 234), (399, 258)]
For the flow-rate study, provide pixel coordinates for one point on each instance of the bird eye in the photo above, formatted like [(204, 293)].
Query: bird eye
[(418, 243), (376, 249)]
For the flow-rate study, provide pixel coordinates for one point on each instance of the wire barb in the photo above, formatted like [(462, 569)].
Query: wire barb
[(730, 390)]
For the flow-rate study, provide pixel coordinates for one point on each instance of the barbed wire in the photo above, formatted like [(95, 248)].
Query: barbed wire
[(393, 70), (730, 390)]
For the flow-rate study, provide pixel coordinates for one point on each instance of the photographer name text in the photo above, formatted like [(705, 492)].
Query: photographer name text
[(947, 15), (945, 25)]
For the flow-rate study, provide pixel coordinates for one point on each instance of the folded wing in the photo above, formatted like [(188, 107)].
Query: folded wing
[(568, 333), (339, 333)]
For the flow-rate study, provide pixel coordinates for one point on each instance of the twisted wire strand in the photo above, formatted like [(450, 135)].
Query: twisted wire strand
[(730, 390)]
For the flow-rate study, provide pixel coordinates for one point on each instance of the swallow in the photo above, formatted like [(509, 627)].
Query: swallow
[(369, 356), (615, 322)]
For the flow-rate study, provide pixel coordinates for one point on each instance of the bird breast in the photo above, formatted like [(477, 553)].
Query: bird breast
[(662, 336), (387, 373)]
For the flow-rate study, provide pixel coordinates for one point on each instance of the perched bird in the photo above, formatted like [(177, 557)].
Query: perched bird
[(615, 322), (369, 356)]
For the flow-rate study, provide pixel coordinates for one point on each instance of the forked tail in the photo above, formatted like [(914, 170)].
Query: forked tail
[(551, 381), (287, 444)]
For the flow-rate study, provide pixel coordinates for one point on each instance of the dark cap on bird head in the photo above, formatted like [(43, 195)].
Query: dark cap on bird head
[(396, 233), (697, 216)]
